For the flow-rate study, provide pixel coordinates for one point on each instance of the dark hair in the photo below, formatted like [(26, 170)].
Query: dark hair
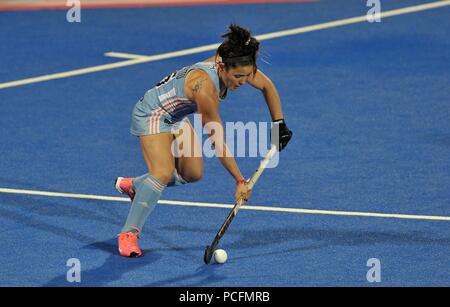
[(239, 48)]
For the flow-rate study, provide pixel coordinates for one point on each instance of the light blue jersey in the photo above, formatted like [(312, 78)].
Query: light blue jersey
[(163, 107)]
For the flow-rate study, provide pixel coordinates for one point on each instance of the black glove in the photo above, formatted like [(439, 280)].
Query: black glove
[(284, 134)]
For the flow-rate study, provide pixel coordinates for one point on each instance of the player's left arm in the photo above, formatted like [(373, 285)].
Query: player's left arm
[(261, 82)]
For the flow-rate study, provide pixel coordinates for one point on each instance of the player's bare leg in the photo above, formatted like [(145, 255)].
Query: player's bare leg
[(188, 149), (149, 187), (188, 162)]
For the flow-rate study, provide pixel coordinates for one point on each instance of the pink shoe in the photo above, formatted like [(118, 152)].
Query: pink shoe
[(125, 186), (128, 244)]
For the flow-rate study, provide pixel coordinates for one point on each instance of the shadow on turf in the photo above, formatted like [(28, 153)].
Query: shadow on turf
[(207, 273), (113, 269), (322, 238), (42, 216)]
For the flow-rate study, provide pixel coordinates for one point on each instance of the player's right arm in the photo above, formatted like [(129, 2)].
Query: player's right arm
[(200, 88)]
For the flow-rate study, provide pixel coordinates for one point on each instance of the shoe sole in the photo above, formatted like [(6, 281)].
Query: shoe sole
[(117, 185), (132, 254)]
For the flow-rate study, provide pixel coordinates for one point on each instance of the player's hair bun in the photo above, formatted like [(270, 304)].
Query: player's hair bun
[(241, 38), (238, 41), (237, 35)]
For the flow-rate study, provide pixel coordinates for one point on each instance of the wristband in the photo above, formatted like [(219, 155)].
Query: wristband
[(241, 181)]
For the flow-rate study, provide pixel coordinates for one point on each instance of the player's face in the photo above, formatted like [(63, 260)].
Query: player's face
[(237, 76)]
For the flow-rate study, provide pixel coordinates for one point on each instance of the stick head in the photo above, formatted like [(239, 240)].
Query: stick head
[(208, 254)]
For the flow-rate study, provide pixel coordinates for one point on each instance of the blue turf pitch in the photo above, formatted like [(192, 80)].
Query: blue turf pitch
[(368, 104)]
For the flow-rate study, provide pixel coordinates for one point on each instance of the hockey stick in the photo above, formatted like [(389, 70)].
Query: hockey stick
[(210, 248)]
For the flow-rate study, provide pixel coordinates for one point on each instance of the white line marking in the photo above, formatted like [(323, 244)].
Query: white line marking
[(122, 55), (213, 205), (57, 194), (138, 59), (71, 73), (135, 60), (337, 23)]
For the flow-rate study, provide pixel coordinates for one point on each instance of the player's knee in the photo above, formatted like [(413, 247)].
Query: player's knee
[(163, 175), (194, 176)]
